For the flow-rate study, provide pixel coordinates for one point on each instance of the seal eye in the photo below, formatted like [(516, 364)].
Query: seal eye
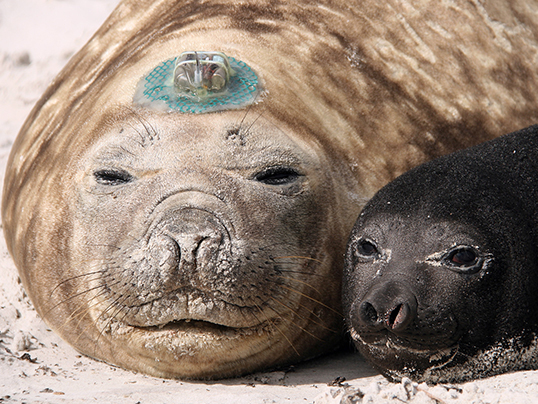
[(112, 177), (277, 176), (463, 257), (366, 248)]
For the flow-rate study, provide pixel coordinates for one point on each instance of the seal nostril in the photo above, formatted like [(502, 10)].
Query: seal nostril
[(177, 251), (198, 244), (399, 317), (395, 316), (368, 314), (165, 253)]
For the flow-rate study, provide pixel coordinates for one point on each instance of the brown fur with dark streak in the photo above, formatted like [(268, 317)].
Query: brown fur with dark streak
[(356, 93)]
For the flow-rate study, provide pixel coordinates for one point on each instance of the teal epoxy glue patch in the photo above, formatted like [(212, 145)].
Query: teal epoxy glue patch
[(198, 82)]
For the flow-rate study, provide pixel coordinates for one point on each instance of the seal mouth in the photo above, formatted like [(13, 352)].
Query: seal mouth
[(187, 308), (188, 325), (408, 342), (203, 326)]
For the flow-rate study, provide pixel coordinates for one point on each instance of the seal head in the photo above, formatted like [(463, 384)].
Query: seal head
[(188, 242), (441, 269)]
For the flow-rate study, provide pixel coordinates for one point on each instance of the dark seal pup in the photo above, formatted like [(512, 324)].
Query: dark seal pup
[(441, 273)]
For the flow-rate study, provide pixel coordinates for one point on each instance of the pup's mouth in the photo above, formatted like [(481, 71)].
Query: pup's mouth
[(410, 342)]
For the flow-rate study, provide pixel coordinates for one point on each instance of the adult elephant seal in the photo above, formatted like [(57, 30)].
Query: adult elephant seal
[(442, 266), (179, 200)]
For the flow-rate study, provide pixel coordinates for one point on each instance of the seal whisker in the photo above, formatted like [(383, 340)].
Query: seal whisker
[(134, 238), (82, 310), (115, 303), (246, 114), (304, 273), (243, 119), (272, 246), (299, 257), (74, 278), (253, 122), (79, 294), (278, 294), (301, 282), (293, 322), (89, 326), (124, 149), (120, 320), (309, 311), (448, 361), (150, 130), (82, 314), (312, 299), (277, 328), (100, 245), (141, 142)]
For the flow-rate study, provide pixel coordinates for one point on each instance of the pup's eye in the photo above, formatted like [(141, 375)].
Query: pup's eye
[(277, 176), (112, 177), (367, 248), (464, 259)]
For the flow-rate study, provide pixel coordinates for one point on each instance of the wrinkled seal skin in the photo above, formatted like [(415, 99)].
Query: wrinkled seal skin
[(206, 246), (441, 269)]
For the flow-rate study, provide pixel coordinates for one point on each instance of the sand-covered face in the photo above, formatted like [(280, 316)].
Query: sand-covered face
[(414, 292), (200, 246), (439, 280)]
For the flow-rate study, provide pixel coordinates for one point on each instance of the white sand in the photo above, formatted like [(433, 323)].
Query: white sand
[(37, 37)]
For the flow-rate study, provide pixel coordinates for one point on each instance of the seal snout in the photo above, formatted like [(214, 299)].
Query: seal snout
[(198, 236), (390, 306)]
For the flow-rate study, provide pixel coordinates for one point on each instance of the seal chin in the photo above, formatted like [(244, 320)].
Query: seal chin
[(193, 348), (397, 358)]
